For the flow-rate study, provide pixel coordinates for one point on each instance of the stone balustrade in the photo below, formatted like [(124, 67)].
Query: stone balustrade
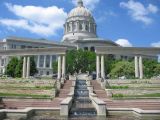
[(65, 106), (98, 104)]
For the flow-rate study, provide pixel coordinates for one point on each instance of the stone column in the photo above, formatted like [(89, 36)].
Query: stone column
[(24, 67), (44, 64), (59, 67), (77, 26), (63, 66), (140, 67), (28, 67), (83, 26), (71, 26), (63, 69), (38, 61), (98, 66), (66, 28), (136, 67), (50, 65), (89, 28), (102, 67)]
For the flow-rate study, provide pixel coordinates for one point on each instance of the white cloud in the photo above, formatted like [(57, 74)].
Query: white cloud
[(156, 44), (36, 19), (124, 43), (90, 4), (139, 12)]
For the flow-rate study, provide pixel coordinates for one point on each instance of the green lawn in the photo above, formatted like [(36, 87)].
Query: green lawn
[(136, 96), (23, 95)]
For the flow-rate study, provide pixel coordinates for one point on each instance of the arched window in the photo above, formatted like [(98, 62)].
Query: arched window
[(80, 26), (69, 28), (86, 27), (74, 26)]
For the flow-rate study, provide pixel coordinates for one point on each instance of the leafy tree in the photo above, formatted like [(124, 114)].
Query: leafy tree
[(55, 66), (151, 68), (12, 66), (33, 69), (123, 68), (15, 65), (19, 67), (80, 60)]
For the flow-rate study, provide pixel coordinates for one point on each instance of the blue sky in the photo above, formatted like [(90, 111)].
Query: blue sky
[(128, 22)]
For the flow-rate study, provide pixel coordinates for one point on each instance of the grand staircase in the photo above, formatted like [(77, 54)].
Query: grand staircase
[(23, 103)]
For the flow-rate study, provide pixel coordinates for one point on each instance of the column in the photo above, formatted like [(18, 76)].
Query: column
[(140, 67), (102, 67), (59, 67), (71, 27), (38, 61), (83, 26), (24, 68), (89, 28), (77, 29), (44, 64), (28, 67), (136, 67), (63, 66), (50, 62), (66, 28), (98, 66)]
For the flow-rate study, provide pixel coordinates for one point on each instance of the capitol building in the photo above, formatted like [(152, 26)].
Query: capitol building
[(80, 32)]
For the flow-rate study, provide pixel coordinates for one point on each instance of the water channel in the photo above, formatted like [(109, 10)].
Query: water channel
[(82, 105)]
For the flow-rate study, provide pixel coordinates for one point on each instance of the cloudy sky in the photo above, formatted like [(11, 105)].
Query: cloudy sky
[(127, 22)]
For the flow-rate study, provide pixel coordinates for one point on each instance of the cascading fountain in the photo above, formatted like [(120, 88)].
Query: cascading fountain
[(82, 105)]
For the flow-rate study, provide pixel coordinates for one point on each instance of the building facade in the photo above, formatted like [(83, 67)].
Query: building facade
[(80, 32)]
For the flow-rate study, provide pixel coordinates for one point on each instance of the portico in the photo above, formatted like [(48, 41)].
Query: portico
[(27, 53), (134, 51)]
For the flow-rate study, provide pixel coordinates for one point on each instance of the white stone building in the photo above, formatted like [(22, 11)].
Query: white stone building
[(80, 31)]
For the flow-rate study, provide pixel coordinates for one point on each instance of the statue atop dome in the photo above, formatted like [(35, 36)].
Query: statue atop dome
[(80, 3)]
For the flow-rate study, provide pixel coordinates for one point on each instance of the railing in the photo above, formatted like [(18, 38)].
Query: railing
[(65, 106), (98, 104)]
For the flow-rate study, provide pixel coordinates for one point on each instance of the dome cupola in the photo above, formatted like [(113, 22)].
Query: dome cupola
[(80, 24)]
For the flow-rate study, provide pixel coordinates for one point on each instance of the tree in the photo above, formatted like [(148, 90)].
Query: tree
[(11, 67), (123, 68), (15, 65), (33, 69), (18, 70), (55, 66), (151, 68), (80, 60)]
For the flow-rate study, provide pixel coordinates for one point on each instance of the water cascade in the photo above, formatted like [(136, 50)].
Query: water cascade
[(82, 105)]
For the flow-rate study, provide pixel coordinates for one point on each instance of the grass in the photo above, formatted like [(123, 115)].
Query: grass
[(119, 87), (23, 95), (136, 96), (28, 88)]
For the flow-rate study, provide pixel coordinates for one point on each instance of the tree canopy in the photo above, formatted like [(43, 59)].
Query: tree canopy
[(15, 65)]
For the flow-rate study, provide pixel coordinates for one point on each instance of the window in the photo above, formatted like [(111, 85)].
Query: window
[(47, 73), (47, 61), (80, 26), (41, 60), (86, 27), (86, 48), (74, 27), (23, 46), (92, 49)]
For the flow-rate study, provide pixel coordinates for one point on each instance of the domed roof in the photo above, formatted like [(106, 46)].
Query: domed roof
[(80, 10)]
